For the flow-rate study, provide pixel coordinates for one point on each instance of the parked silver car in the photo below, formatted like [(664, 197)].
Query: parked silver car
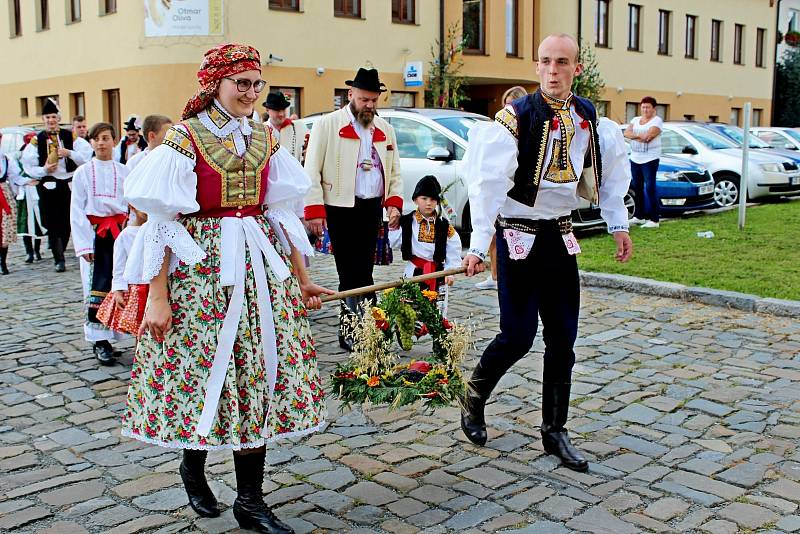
[(770, 175), (787, 138)]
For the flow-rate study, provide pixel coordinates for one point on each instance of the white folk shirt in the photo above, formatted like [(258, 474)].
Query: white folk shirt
[(81, 153), (136, 159), (369, 184), (492, 161), (97, 189), (122, 248), (423, 243)]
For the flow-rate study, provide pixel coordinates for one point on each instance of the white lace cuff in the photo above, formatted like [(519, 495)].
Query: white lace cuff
[(288, 227), (153, 238)]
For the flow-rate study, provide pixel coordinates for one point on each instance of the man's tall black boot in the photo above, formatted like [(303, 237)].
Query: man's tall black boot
[(28, 242), (37, 247), (479, 388), (192, 470), (249, 508), (3, 256), (555, 407), (57, 246)]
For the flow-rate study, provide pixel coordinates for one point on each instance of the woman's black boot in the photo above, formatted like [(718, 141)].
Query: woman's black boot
[(192, 470)]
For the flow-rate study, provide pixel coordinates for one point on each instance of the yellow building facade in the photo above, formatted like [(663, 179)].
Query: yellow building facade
[(697, 60)]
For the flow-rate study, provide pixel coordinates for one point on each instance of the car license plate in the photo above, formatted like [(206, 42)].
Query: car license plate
[(706, 189), (794, 180)]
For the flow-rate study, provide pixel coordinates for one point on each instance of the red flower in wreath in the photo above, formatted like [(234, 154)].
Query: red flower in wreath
[(422, 330), (382, 325), (421, 367), (447, 324)]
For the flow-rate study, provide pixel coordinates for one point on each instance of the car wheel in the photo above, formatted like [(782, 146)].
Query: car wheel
[(726, 190), (630, 203), (466, 226)]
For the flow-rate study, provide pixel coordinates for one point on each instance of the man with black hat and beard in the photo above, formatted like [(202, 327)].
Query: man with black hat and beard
[(52, 157), (354, 166), (292, 134), (132, 143)]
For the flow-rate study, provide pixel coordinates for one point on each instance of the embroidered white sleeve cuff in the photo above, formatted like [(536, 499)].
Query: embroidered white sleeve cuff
[(154, 237)]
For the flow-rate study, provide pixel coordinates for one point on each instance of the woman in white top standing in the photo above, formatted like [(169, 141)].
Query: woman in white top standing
[(645, 135)]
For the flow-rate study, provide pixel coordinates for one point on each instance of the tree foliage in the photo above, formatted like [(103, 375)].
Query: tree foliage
[(590, 83), (787, 89), (446, 87)]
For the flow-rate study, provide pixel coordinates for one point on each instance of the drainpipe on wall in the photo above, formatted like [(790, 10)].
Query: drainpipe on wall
[(580, 21), (775, 65), (441, 41)]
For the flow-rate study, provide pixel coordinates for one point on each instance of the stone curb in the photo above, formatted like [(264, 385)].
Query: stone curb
[(713, 297)]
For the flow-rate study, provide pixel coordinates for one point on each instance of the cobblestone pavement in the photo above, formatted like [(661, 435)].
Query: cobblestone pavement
[(688, 413)]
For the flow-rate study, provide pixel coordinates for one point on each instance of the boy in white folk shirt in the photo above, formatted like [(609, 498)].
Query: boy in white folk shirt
[(98, 213), (154, 128)]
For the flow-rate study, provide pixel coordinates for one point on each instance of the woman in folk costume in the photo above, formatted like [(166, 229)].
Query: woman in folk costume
[(29, 218), (8, 209), (226, 360)]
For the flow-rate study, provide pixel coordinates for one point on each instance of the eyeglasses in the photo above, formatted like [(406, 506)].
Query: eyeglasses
[(244, 85)]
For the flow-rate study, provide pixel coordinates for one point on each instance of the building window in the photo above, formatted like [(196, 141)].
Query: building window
[(761, 37), (716, 40), (688, 117), (634, 27), (107, 7), (691, 37), (40, 101), (14, 18), (73, 11), (664, 30), (340, 98), (347, 8), (757, 113), (23, 107), (736, 116), (601, 22), (632, 109), (738, 44), (285, 5), (402, 99), (512, 27), (77, 104), (42, 15), (404, 11), (111, 108), (474, 24), (602, 108), (713, 118)]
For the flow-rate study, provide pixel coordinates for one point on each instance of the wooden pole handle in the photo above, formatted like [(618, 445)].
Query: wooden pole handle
[(387, 285)]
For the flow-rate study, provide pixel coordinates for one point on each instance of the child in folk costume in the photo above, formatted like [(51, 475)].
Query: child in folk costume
[(123, 308), (226, 359), (154, 128), (98, 213), (428, 241), (8, 209), (29, 217)]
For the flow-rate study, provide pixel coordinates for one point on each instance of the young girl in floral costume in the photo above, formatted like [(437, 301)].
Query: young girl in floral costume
[(226, 359)]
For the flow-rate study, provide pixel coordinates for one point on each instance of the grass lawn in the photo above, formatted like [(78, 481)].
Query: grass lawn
[(763, 259)]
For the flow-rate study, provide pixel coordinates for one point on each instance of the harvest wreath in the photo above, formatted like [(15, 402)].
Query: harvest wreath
[(374, 372)]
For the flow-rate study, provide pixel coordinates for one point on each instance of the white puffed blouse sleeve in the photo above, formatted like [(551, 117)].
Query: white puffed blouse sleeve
[(287, 187), (164, 185)]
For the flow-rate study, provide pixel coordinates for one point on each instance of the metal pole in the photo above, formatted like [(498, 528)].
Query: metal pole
[(748, 108)]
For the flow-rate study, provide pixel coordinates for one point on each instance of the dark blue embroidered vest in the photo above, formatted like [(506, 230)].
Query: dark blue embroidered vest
[(534, 118)]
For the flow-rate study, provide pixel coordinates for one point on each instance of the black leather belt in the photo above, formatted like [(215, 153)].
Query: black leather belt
[(534, 226)]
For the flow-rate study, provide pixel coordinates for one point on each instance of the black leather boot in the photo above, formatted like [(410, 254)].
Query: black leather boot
[(3, 255), (57, 246), (249, 508), (37, 247), (555, 407), (104, 353), (28, 242), (479, 388), (192, 470)]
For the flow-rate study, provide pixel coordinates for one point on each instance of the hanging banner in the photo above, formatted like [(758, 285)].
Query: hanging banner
[(169, 18)]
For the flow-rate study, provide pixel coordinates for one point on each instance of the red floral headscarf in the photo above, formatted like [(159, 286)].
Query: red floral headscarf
[(220, 62)]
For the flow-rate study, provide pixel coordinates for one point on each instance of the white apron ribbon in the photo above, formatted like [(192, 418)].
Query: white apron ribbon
[(236, 233)]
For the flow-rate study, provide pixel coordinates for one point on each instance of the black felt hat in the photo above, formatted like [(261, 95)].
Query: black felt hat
[(50, 107), (428, 186), (367, 79), (277, 101), (131, 125)]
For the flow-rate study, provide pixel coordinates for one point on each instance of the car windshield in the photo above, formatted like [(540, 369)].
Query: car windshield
[(458, 125), (711, 140), (794, 134), (737, 134)]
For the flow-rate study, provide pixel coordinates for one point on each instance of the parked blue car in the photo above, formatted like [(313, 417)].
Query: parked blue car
[(682, 185)]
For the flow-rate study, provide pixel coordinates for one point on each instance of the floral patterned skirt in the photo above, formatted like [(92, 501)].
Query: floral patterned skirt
[(8, 221), (168, 380)]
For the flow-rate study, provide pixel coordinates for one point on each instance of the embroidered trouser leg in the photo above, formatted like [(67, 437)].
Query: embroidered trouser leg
[(354, 233), (544, 284)]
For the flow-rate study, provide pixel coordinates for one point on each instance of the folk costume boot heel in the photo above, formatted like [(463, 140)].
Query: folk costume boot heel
[(28, 242), (3, 255), (555, 406), (249, 508), (192, 470), (479, 388)]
